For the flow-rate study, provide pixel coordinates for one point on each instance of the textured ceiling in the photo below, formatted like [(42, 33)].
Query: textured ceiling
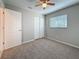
[(30, 0), (30, 5)]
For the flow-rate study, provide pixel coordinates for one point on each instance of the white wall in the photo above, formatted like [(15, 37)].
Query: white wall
[(71, 33), (27, 22), (1, 27)]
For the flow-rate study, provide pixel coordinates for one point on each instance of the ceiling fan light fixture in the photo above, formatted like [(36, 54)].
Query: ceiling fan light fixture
[(44, 5)]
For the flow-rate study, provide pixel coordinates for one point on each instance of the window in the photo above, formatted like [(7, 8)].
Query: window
[(58, 22)]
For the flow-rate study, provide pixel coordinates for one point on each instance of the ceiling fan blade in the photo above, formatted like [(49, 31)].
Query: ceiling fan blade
[(44, 0), (50, 3), (38, 5)]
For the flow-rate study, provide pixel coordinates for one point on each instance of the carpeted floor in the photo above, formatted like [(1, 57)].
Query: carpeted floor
[(41, 49)]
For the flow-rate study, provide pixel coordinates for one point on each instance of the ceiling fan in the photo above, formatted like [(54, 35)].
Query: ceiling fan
[(44, 3)]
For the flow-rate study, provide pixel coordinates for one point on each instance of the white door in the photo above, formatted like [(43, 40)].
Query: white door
[(41, 28), (1, 30), (13, 33), (38, 27)]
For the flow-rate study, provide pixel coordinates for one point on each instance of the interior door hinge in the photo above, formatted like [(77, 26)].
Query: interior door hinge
[(3, 27), (3, 12), (3, 43)]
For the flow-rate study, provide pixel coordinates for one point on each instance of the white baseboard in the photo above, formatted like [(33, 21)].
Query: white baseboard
[(31, 40), (72, 45), (28, 41)]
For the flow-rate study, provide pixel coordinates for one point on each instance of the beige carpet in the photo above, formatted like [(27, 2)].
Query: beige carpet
[(42, 49)]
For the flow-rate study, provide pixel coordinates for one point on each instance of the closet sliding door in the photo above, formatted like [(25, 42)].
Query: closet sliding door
[(13, 28), (38, 27)]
